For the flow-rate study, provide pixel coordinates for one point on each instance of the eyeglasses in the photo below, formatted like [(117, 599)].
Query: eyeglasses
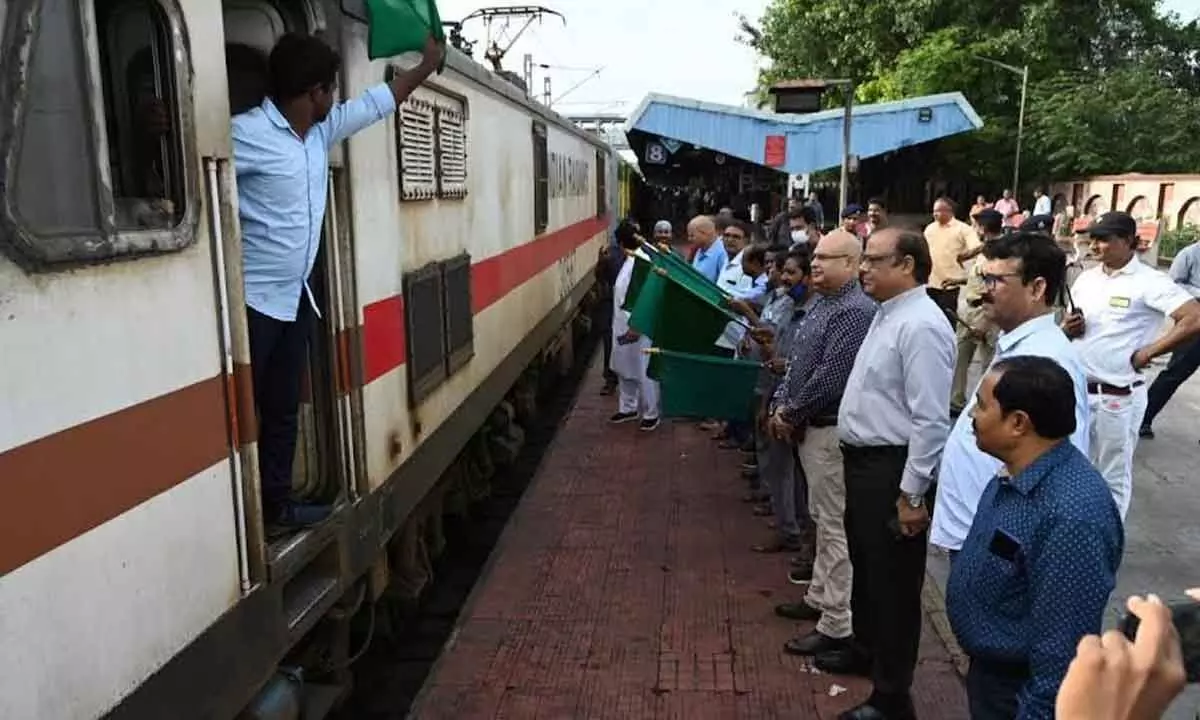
[(991, 280), (875, 260), (824, 257)]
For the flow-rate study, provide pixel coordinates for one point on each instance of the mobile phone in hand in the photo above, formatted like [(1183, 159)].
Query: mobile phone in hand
[(1185, 615)]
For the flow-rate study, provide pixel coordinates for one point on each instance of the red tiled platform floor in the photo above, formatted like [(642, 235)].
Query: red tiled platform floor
[(624, 587)]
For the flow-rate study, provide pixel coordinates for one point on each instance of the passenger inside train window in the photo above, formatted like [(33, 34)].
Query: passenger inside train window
[(141, 105), (281, 155)]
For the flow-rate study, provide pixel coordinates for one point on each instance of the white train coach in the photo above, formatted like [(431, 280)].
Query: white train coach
[(136, 580)]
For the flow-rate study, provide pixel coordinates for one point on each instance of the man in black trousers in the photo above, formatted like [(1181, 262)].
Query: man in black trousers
[(892, 424)]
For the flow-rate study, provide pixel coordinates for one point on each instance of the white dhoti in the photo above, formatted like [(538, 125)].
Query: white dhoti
[(637, 392)]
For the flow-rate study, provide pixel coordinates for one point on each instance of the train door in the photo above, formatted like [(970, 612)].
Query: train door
[(326, 460)]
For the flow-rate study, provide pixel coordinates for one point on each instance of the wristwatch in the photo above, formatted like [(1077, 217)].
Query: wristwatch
[(914, 500)]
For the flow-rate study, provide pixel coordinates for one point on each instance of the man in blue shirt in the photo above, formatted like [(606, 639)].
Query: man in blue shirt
[(1035, 572), (710, 258), (281, 155)]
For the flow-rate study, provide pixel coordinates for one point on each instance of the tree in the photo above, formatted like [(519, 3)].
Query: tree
[(907, 48), (1132, 119)]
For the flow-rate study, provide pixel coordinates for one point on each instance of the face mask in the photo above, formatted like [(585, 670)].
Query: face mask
[(798, 291), (799, 236)]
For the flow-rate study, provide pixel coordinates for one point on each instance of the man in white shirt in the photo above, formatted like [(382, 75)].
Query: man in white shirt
[(1120, 306), (1022, 273), (892, 424), (1041, 203), (740, 285)]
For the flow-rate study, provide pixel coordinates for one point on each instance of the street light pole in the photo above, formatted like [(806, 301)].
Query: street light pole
[(1020, 130), (1023, 71), (844, 193)]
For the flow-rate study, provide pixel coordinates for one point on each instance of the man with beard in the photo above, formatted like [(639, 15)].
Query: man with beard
[(281, 156), (1022, 273), (876, 215)]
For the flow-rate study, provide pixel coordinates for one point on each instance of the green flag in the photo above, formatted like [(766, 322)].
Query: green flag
[(395, 27), (679, 315), (641, 268), (706, 386)]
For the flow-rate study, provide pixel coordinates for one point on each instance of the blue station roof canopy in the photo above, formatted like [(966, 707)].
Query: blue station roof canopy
[(799, 144)]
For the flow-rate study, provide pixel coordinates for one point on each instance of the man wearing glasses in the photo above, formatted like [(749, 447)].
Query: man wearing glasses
[(1022, 274), (804, 410)]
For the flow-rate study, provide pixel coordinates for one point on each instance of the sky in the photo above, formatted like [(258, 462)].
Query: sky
[(677, 47)]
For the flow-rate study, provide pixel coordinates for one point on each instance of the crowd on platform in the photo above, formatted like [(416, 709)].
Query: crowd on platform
[(866, 443)]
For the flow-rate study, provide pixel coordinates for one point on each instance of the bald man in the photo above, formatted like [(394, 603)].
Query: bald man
[(951, 243), (710, 258), (804, 409)]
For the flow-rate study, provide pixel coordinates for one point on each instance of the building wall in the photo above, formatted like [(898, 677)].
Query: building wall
[(1173, 198)]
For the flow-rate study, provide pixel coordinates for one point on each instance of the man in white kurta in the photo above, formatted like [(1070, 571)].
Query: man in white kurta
[(637, 393)]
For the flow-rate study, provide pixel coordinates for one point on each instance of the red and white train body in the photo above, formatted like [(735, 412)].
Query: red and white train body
[(135, 578)]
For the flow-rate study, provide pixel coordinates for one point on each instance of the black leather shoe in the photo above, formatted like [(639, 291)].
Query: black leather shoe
[(846, 660), (798, 611), (814, 643), (877, 708)]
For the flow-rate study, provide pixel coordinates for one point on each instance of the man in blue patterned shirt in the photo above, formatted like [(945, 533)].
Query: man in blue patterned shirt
[(1035, 572), (804, 410)]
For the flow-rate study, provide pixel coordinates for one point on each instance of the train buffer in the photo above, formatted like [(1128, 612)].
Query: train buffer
[(624, 587)]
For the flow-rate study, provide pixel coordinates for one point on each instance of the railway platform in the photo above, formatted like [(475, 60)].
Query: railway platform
[(624, 587)]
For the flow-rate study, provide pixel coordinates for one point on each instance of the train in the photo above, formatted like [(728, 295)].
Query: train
[(457, 256)]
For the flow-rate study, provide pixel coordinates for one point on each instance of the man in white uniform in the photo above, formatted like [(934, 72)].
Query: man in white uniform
[(1120, 306), (637, 393)]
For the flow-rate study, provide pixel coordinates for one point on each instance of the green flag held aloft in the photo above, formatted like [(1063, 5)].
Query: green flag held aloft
[(705, 386), (396, 27)]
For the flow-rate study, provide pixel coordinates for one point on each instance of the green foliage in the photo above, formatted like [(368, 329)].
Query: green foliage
[(1172, 241), (1113, 84), (1127, 120)]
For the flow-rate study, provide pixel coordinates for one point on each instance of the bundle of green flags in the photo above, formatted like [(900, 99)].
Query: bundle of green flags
[(684, 314)]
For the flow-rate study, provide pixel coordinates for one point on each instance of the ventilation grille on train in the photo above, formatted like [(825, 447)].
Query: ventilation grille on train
[(431, 148), (418, 176), (452, 153), (440, 323)]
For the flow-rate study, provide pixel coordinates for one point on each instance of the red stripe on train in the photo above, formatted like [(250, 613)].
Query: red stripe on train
[(383, 335)]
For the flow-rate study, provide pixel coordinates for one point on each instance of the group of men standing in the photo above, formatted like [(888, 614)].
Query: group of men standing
[(864, 462)]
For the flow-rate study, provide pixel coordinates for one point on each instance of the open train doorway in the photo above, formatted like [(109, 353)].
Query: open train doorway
[(324, 468)]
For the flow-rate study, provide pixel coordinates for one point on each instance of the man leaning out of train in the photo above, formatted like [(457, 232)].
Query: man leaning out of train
[(281, 154)]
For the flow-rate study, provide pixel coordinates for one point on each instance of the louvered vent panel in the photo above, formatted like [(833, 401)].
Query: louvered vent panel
[(418, 149)]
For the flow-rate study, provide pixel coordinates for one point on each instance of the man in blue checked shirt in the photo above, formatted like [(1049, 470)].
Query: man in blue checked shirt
[(1035, 572), (281, 154)]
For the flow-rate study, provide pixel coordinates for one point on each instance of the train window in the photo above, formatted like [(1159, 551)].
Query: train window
[(417, 149), (452, 152), (460, 328), (424, 312), (99, 158), (601, 184), (541, 180)]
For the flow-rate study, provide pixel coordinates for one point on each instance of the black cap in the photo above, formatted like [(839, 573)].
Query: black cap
[(1038, 223), (989, 216), (1113, 223)]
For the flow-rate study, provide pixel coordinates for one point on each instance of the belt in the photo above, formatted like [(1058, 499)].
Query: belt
[(823, 421), (1099, 388), (873, 449)]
